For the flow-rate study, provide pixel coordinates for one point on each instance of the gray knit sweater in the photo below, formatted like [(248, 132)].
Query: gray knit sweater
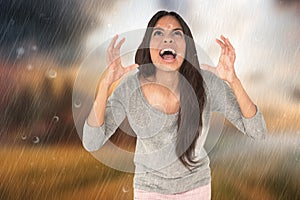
[(157, 167)]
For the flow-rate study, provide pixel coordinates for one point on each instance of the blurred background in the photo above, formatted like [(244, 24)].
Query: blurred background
[(43, 45)]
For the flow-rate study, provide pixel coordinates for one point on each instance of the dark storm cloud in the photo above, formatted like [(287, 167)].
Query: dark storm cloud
[(49, 26)]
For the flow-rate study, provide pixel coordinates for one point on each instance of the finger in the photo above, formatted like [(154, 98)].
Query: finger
[(208, 68), (130, 67), (112, 43), (221, 45), (230, 45), (223, 38), (226, 44), (226, 50), (109, 50), (116, 50), (120, 44)]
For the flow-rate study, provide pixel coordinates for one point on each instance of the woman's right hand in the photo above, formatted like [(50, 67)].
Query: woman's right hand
[(115, 69)]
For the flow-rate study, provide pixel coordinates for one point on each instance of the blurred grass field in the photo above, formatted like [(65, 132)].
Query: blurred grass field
[(59, 172), (241, 169)]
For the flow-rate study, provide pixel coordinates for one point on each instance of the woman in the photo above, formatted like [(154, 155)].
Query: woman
[(168, 103)]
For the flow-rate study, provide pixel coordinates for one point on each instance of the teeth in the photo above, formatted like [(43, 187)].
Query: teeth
[(168, 49)]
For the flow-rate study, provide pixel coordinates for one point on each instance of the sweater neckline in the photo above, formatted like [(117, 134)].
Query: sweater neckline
[(147, 103)]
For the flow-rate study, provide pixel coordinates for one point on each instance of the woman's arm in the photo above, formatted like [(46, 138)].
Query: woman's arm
[(231, 99), (247, 107), (107, 113), (225, 71), (113, 72), (96, 116)]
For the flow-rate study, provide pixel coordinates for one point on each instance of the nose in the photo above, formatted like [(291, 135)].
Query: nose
[(168, 40)]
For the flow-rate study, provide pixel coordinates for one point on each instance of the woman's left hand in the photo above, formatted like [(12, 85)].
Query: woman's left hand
[(225, 68)]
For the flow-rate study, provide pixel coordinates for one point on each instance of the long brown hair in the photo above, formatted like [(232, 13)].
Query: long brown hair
[(189, 118)]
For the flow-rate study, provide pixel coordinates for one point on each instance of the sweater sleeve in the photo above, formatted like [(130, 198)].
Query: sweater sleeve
[(94, 138), (225, 102)]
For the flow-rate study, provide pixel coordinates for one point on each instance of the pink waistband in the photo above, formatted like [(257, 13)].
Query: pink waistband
[(200, 193)]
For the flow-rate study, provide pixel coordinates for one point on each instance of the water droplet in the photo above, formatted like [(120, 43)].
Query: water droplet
[(36, 139), (125, 189), (20, 51), (77, 103), (23, 137), (29, 67), (109, 25), (34, 48), (52, 73), (55, 119)]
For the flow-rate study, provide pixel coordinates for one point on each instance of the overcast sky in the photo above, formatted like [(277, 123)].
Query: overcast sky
[(265, 33)]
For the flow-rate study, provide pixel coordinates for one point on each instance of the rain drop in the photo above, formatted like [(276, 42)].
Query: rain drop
[(125, 189), (34, 48), (23, 137), (55, 119), (77, 103), (52, 73), (29, 67), (36, 139), (20, 51)]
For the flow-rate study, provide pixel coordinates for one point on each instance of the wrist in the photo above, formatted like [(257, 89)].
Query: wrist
[(103, 89), (234, 82)]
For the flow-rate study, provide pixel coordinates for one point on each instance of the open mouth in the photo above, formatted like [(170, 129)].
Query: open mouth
[(167, 54)]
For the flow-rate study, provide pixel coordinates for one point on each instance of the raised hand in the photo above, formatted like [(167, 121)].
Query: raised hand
[(225, 68), (115, 69)]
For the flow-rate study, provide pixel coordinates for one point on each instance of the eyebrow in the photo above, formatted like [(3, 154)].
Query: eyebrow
[(176, 29)]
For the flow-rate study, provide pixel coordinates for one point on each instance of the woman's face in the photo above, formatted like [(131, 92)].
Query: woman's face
[(167, 44)]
